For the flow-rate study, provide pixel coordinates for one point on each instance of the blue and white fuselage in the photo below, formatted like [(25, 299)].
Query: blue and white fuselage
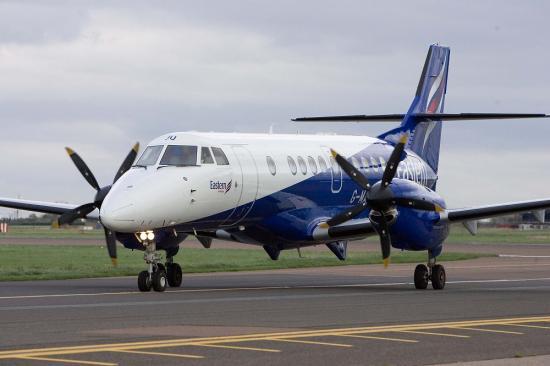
[(273, 189)]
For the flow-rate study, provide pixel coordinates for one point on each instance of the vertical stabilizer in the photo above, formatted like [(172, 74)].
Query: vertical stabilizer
[(425, 136)]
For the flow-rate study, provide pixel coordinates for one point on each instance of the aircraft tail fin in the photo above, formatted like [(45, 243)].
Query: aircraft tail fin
[(425, 133), (423, 120)]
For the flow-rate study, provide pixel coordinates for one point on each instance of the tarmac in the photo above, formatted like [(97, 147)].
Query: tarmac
[(493, 308)]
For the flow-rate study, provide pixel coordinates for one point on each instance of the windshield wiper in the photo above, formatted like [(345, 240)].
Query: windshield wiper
[(139, 166)]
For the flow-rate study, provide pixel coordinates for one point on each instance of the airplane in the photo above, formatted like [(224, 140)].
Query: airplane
[(286, 191)]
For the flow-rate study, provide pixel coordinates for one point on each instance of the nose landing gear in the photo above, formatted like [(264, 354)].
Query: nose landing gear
[(158, 276), (432, 272)]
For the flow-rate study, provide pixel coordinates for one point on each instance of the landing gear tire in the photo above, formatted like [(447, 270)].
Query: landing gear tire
[(421, 277), (174, 274), (144, 282), (159, 281), (438, 277), (160, 267)]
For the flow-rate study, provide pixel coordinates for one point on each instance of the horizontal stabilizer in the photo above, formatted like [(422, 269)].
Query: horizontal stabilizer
[(421, 117)]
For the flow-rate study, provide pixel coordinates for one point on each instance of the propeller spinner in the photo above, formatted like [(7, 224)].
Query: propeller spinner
[(379, 198), (85, 209)]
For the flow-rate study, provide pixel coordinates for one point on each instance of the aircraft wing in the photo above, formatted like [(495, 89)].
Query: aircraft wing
[(469, 215), (44, 207)]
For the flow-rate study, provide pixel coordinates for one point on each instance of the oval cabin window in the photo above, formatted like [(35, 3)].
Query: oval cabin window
[(271, 165), (292, 165), (312, 164), (302, 164), (322, 164)]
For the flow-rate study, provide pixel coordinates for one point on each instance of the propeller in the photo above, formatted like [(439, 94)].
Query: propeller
[(379, 198), (101, 192)]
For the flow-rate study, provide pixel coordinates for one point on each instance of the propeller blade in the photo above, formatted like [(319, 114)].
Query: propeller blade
[(83, 168), (350, 170), (111, 245), (393, 162), (418, 204), (346, 215), (77, 213), (385, 240), (128, 161)]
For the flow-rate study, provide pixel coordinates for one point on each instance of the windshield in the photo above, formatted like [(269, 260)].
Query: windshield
[(149, 156), (180, 155)]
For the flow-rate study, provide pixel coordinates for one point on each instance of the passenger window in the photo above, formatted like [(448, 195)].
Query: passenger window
[(220, 157), (180, 155), (271, 165), (206, 157), (382, 163), (302, 164), (312, 164), (150, 155), (322, 163), (292, 165), (374, 164), (365, 163)]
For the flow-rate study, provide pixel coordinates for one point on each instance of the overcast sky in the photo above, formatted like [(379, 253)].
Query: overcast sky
[(98, 76)]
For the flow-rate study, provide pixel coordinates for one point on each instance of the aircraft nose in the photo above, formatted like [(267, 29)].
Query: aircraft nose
[(118, 215)]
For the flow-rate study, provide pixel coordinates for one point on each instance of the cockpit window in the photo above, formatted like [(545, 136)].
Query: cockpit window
[(149, 156), (179, 155), (220, 157), (206, 157)]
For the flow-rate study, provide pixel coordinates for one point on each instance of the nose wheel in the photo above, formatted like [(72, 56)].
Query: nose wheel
[(158, 276), (434, 273)]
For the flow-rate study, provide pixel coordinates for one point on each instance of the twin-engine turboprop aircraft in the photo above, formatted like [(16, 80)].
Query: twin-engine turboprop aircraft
[(288, 191)]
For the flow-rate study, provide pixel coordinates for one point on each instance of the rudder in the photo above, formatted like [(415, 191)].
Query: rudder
[(425, 136)]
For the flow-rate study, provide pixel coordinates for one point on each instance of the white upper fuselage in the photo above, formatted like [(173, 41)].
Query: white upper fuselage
[(157, 195)]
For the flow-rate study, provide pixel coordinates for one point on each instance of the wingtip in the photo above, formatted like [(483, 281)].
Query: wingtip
[(136, 147), (404, 138), (333, 153), (324, 225), (114, 261), (439, 209), (69, 151), (386, 262)]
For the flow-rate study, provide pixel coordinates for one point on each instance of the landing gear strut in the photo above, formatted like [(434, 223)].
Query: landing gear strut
[(157, 276), (432, 272)]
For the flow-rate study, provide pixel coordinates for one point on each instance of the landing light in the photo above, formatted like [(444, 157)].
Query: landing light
[(148, 235)]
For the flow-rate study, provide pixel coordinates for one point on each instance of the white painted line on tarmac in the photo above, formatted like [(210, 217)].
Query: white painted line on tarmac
[(484, 281), (522, 256)]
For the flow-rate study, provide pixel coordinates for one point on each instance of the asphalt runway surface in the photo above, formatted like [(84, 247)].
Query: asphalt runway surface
[(492, 308)]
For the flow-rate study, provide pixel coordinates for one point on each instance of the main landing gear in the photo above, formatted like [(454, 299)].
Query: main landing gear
[(432, 272), (157, 276)]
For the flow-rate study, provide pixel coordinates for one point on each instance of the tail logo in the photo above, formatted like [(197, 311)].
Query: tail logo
[(435, 96)]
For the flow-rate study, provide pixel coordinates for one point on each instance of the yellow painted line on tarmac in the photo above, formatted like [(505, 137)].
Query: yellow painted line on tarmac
[(379, 338), (63, 360), (434, 333), (490, 330), (309, 342), (158, 353), (236, 347), (262, 336)]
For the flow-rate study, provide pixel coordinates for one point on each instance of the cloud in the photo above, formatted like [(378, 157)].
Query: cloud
[(100, 75)]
